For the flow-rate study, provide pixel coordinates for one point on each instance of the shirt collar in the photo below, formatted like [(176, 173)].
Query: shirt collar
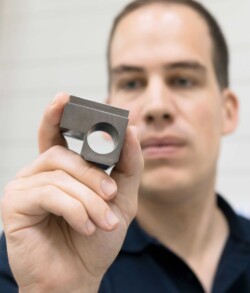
[(238, 225), (137, 239)]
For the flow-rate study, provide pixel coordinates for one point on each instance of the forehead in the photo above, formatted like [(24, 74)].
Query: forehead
[(165, 31)]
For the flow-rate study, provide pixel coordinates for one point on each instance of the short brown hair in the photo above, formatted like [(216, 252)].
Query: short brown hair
[(220, 49)]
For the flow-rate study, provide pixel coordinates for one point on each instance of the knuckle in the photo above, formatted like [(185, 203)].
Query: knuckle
[(6, 204), (49, 189), (9, 187), (92, 174), (77, 206), (75, 210), (3, 201), (95, 203), (54, 153), (90, 170), (86, 169), (58, 175), (21, 173), (13, 185)]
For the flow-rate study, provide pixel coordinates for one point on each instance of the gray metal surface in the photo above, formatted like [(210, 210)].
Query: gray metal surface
[(82, 117)]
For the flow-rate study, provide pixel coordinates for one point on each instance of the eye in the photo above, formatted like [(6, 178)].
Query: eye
[(182, 82), (130, 85)]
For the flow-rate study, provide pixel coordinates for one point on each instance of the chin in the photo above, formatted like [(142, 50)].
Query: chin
[(163, 181)]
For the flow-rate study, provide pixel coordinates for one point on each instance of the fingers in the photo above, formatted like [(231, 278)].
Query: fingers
[(60, 182), (96, 208), (58, 173), (49, 132), (59, 158), (31, 207)]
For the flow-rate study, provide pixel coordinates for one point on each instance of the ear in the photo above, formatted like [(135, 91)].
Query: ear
[(230, 111)]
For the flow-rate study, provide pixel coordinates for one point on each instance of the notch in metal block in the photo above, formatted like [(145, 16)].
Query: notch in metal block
[(82, 117)]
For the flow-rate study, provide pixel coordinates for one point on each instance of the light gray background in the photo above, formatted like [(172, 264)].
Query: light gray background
[(52, 46)]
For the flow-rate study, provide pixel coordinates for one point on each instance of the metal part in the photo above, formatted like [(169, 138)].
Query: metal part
[(82, 117)]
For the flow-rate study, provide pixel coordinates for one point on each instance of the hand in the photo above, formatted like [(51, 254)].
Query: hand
[(65, 219)]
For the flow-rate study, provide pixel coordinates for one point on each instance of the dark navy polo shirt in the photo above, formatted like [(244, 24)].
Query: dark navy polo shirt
[(145, 266)]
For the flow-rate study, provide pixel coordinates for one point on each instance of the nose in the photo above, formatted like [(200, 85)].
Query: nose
[(159, 104)]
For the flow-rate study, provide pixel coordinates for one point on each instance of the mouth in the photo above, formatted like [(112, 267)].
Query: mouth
[(162, 148)]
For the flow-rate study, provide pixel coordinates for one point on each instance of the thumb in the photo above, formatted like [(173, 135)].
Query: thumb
[(127, 173), (49, 130)]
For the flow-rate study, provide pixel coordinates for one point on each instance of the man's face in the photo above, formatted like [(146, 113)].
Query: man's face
[(162, 72)]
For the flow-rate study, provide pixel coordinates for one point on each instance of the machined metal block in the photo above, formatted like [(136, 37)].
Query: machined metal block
[(82, 117)]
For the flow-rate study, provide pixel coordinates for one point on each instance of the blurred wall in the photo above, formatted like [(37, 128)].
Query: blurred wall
[(52, 46)]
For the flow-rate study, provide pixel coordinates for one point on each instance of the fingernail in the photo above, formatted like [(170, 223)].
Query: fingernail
[(108, 187), (90, 227), (111, 218)]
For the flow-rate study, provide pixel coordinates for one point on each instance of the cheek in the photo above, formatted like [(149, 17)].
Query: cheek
[(207, 122), (134, 108), (134, 115)]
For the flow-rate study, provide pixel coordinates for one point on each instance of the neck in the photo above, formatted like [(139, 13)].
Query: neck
[(194, 229), (187, 227)]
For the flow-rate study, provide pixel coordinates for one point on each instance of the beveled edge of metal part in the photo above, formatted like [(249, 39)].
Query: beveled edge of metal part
[(82, 115), (99, 106)]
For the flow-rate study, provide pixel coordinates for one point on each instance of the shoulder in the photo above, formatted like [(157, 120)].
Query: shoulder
[(245, 224), (238, 224)]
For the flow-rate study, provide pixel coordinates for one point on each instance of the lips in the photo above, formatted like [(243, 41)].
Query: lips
[(162, 147)]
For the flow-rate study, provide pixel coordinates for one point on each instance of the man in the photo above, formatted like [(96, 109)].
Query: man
[(65, 220)]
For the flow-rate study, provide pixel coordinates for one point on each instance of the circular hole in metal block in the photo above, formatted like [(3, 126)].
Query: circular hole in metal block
[(102, 138)]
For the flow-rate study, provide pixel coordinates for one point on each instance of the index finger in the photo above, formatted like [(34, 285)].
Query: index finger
[(49, 132)]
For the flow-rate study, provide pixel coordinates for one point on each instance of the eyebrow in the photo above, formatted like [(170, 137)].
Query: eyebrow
[(193, 65), (125, 69)]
